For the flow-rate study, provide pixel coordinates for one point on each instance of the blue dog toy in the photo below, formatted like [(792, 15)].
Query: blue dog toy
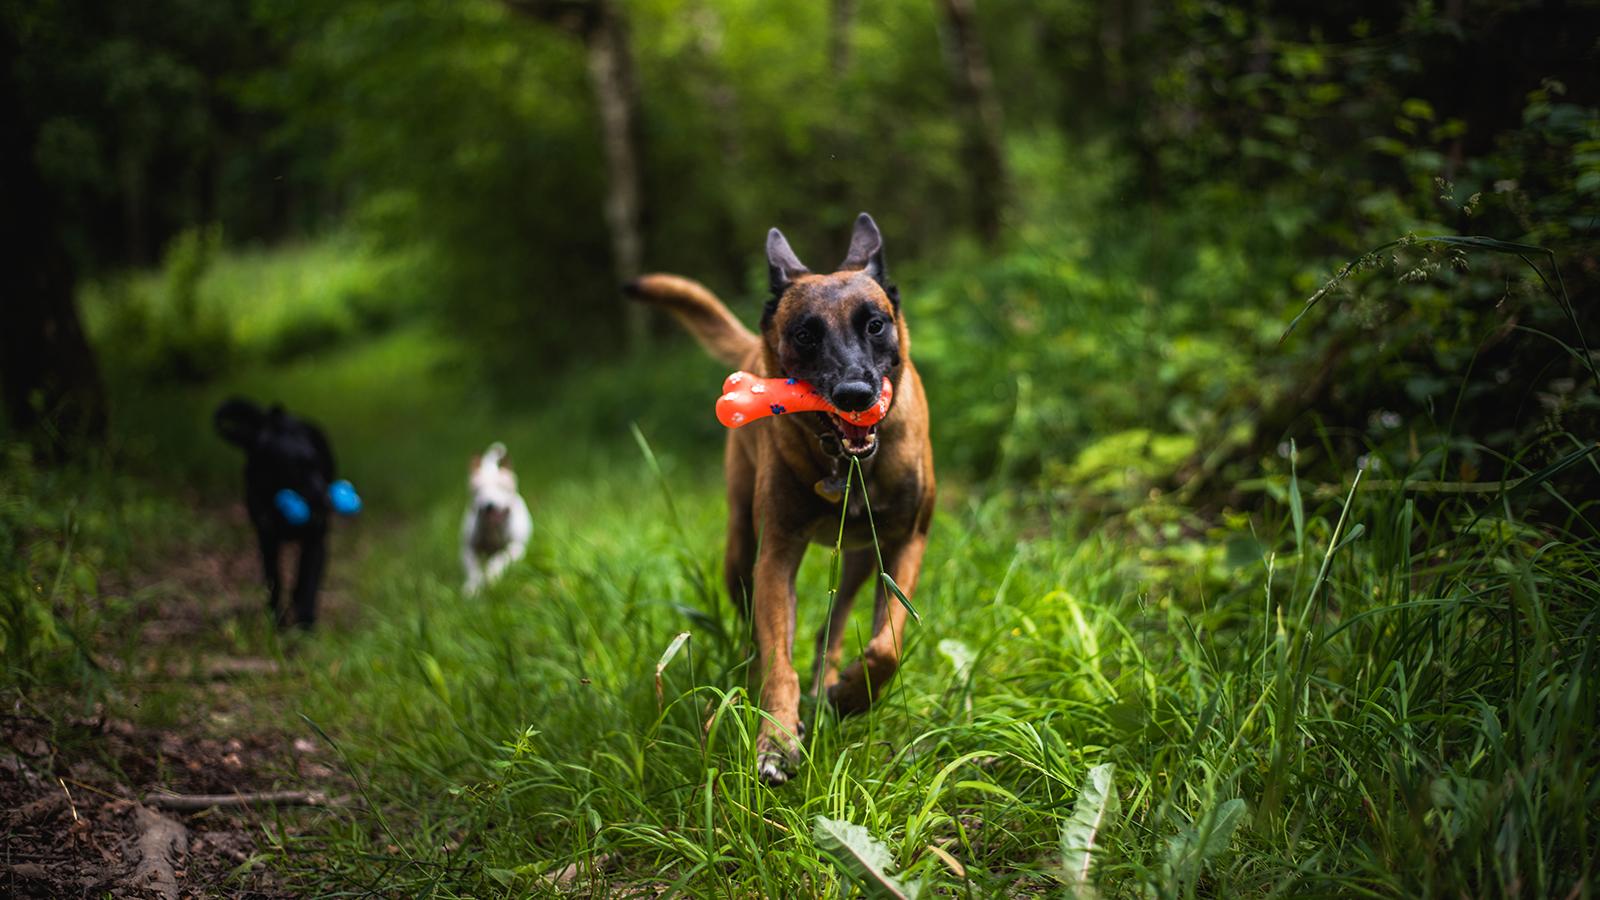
[(294, 508), (346, 502), (296, 511)]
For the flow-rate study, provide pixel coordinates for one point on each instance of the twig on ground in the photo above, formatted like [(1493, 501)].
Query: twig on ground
[(29, 870), (568, 875), (89, 787), (234, 667), (196, 802), (70, 805)]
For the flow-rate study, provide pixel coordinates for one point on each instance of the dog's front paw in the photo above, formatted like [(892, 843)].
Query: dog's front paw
[(777, 757), (770, 767)]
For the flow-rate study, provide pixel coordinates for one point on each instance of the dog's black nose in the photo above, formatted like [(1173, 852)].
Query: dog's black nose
[(853, 396)]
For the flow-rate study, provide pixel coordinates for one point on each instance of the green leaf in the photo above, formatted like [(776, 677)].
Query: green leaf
[(1417, 108), (83, 577), (1096, 805), (435, 675), (904, 600), (862, 858), (1355, 534), (1187, 850)]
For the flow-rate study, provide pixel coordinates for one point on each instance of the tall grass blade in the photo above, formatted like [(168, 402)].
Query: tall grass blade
[(666, 657), (877, 548), (1555, 468), (900, 595), (655, 469), (1297, 504)]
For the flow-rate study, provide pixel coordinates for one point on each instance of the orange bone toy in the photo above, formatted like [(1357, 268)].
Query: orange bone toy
[(746, 398)]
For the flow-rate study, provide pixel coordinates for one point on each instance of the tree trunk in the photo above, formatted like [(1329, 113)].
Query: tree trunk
[(603, 28), (52, 387), (616, 96), (840, 146), (721, 98), (1111, 46), (841, 13), (974, 85)]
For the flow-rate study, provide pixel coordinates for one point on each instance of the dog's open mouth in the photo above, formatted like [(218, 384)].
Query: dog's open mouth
[(855, 440)]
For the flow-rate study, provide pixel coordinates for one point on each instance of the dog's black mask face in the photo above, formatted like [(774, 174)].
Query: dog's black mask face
[(839, 332), (281, 451), (840, 337)]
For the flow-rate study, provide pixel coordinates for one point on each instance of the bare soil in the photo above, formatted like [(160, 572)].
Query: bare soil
[(181, 714)]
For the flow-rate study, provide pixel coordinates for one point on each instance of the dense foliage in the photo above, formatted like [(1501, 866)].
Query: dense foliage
[(1248, 256), (1178, 180)]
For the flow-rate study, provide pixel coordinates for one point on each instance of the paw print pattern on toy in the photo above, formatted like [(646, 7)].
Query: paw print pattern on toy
[(746, 398)]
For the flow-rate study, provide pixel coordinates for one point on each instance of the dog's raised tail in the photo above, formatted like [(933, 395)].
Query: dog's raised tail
[(690, 302)]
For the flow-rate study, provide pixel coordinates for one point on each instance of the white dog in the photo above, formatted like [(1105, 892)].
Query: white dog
[(496, 528)]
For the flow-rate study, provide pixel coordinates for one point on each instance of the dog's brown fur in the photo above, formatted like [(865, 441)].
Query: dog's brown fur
[(777, 469)]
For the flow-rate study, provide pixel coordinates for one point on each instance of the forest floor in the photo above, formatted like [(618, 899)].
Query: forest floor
[(95, 791)]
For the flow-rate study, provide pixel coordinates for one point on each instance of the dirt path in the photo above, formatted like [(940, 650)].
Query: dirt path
[(86, 785)]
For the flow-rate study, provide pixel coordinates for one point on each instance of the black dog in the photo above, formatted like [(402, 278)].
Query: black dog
[(282, 451)]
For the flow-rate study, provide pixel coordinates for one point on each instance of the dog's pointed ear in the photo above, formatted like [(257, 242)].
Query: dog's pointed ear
[(239, 422), (505, 461), (783, 266), (477, 461), (866, 255), (866, 250)]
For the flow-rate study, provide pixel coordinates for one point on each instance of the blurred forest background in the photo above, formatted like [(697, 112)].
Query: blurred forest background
[(1105, 212), (409, 220)]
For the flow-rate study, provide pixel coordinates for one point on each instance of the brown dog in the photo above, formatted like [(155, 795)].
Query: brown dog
[(787, 474)]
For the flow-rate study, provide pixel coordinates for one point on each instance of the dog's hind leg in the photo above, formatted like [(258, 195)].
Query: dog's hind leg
[(501, 561), (271, 576), (868, 676), (858, 567), (469, 562), (313, 559)]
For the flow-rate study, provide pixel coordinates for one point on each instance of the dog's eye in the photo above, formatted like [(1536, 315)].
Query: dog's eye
[(875, 327), (805, 337)]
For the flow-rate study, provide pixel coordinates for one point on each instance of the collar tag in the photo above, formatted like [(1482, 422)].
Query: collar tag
[(830, 489)]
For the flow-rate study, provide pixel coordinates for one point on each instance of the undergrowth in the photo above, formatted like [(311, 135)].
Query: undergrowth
[(1360, 681), (1403, 705)]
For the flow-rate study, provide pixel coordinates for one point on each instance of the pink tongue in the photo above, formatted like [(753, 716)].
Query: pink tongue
[(853, 432)]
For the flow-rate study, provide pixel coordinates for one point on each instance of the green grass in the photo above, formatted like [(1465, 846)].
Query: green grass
[(1404, 706), (206, 312), (1342, 689)]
